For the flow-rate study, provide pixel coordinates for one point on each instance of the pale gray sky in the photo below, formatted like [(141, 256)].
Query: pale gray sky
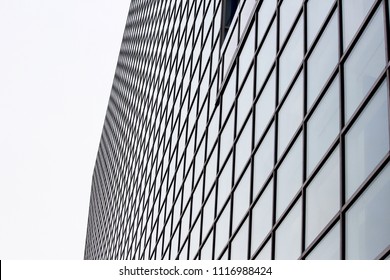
[(57, 63)]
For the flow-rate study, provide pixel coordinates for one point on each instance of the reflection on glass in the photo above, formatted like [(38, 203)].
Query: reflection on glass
[(262, 217), (288, 12), (224, 184), (244, 147), (329, 247), (290, 115), (241, 198), (239, 244), (263, 160), (322, 60), (267, 10), (323, 197), (289, 177), (323, 126), (266, 57), (317, 10), (367, 221), (288, 235), (245, 100), (222, 230), (354, 11), (245, 13), (291, 58), (265, 106), (367, 141), (365, 63)]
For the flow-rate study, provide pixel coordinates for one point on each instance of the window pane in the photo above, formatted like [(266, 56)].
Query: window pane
[(329, 247), (365, 63), (367, 141), (322, 61), (262, 217), (265, 107), (317, 11), (227, 136), (367, 222), (289, 178), (222, 231), (229, 95), (239, 244), (290, 115), (246, 54), (267, 10), (244, 147), (288, 235), (288, 12), (354, 11), (323, 126), (263, 160), (323, 197), (266, 57), (225, 184), (291, 58), (208, 213), (245, 100), (241, 198)]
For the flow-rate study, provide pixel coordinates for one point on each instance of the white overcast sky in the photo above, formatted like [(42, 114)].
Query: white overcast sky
[(57, 63)]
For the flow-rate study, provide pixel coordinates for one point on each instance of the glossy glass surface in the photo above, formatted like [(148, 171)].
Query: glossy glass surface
[(368, 223), (323, 197), (368, 141), (365, 63), (329, 247)]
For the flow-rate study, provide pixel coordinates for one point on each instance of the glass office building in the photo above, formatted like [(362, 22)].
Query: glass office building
[(246, 130)]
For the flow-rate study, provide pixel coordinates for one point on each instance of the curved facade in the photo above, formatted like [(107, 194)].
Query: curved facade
[(260, 136)]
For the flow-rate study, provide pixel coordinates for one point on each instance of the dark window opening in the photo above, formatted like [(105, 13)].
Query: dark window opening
[(229, 8)]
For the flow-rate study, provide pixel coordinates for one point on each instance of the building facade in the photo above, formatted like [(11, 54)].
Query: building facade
[(246, 130)]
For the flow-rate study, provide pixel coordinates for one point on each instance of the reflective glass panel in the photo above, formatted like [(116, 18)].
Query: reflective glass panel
[(368, 141), (288, 235), (266, 57), (329, 246), (290, 115), (244, 147), (317, 10), (367, 221), (265, 253), (323, 197), (322, 60), (224, 184), (239, 244), (262, 217), (354, 11), (291, 58), (265, 107), (227, 136), (323, 126), (289, 177), (221, 230), (246, 54), (288, 12), (229, 94), (245, 100), (365, 63), (241, 198), (263, 160), (267, 10)]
